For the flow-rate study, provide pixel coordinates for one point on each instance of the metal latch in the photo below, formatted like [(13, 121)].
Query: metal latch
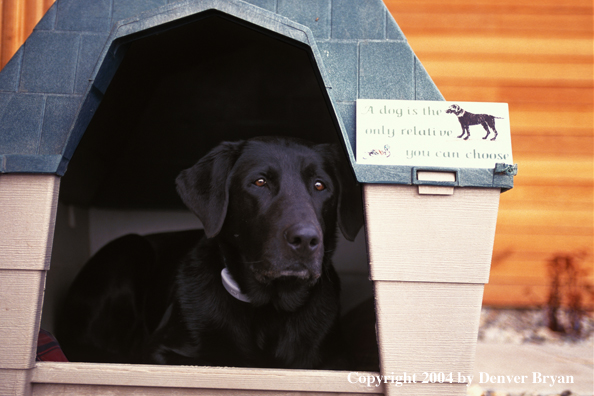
[(510, 170)]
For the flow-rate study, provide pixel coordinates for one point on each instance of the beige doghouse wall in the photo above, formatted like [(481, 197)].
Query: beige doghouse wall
[(27, 217), (430, 256)]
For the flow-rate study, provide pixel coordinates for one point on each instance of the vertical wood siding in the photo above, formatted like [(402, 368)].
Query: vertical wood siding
[(536, 56)]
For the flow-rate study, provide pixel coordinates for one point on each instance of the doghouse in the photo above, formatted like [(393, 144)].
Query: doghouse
[(105, 88)]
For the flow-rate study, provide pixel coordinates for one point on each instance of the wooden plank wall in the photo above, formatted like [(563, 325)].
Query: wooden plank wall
[(534, 55), (17, 20)]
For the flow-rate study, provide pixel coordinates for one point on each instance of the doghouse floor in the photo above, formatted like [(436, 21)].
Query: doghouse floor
[(119, 379)]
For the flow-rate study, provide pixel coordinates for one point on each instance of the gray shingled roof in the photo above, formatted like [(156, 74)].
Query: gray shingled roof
[(52, 86)]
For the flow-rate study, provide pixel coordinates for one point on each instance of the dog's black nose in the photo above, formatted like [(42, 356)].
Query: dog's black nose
[(303, 237)]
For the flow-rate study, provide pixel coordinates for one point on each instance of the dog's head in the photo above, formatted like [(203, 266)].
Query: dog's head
[(454, 109), (273, 204)]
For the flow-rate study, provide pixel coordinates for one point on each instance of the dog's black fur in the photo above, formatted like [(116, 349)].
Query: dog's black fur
[(270, 209), (467, 119)]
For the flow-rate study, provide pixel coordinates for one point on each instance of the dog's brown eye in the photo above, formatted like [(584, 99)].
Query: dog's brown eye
[(319, 186), (260, 182)]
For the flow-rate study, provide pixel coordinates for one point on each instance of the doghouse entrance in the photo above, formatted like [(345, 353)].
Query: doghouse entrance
[(179, 91)]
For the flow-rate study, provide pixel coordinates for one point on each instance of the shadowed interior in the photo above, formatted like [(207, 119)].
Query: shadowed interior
[(181, 91)]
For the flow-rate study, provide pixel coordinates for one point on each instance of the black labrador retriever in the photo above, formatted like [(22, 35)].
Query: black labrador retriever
[(256, 288)]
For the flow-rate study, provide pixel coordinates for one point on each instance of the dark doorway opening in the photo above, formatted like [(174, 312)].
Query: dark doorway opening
[(180, 91)]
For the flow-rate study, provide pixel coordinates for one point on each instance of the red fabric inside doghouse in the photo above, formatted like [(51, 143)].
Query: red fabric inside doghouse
[(48, 349)]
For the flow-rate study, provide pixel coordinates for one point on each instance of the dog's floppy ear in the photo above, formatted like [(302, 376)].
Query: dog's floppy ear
[(350, 202), (204, 188)]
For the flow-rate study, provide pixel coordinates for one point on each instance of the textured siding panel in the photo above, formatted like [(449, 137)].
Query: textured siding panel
[(346, 111), (58, 117), (315, 14), (386, 71), (341, 62), (42, 70), (364, 19), (90, 49), (20, 124), (269, 5), (123, 9), (93, 16)]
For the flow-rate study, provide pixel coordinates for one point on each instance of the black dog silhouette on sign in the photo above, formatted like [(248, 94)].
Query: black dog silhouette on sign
[(467, 119)]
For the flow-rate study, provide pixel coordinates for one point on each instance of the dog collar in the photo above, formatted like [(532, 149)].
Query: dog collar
[(232, 287)]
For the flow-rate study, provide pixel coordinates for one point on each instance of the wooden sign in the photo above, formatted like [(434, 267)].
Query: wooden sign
[(433, 133)]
